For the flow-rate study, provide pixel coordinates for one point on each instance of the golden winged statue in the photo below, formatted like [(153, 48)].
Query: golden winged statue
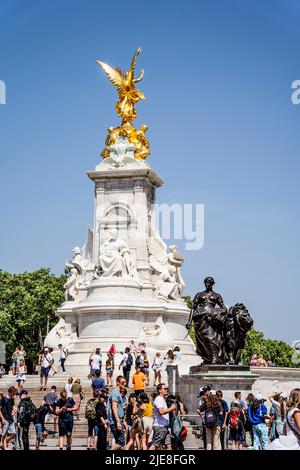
[(128, 97)]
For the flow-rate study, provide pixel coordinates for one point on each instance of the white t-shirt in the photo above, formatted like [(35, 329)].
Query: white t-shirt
[(160, 420), (124, 359), (96, 361), (63, 353), (46, 360)]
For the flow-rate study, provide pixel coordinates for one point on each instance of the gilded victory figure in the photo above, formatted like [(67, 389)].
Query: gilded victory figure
[(128, 97)]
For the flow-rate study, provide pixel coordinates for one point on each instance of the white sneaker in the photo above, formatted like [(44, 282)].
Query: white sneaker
[(64, 373)]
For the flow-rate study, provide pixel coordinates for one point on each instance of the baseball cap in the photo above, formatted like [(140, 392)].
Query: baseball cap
[(23, 392), (259, 397), (284, 395)]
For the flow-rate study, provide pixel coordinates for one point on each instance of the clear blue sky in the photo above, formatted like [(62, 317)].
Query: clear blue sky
[(222, 128)]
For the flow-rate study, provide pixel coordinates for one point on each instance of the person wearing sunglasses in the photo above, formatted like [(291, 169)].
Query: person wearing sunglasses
[(116, 413)]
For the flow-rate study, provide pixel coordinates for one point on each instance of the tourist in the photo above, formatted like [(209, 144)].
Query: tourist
[(112, 350), (134, 349), (138, 380), (101, 421), (116, 413), (177, 353), (7, 413), (175, 421), (136, 425), (257, 413), (2, 370), (236, 423), (98, 382), (278, 410), (238, 397), (21, 377), (157, 368), (91, 415), (126, 363), (222, 417), (253, 362), (145, 368), (26, 415), (212, 409), (161, 433), (203, 391), (139, 359), (63, 353), (39, 423), (64, 408), (68, 387), (45, 361), (14, 360), (248, 427), (291, 439), (52, 366), (109, 367), (95, 362), (270, 363), (261, 362), (21, 355), (77, 395), (50, 399), (169, 360), (146, 408)]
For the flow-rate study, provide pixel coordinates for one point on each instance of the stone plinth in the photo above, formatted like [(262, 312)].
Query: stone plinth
[(228, 378)]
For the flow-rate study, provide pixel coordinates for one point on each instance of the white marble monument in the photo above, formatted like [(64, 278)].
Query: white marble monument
[(124, 283)]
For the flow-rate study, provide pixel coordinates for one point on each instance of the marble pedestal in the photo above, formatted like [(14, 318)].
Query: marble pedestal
[(114, 310), (228, 378)]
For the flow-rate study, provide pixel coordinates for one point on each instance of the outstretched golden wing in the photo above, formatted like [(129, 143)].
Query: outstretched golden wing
[(115, 75), (131, 72)]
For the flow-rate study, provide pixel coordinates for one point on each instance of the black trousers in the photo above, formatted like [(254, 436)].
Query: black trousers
[(24, 436), (102, 438), (126, 373)]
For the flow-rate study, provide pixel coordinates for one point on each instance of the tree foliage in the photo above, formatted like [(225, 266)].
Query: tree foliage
[(278, 351), (27, 308)]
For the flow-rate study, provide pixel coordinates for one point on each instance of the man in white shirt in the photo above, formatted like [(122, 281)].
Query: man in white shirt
[(46, 361), (63, 355), (161, 431), (95, 361), (126, 363)]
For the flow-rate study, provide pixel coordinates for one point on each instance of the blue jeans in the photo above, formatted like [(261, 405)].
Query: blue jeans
[(38, 431), (62, 363)]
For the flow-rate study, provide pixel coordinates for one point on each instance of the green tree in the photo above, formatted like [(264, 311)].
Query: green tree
[(27, 309)]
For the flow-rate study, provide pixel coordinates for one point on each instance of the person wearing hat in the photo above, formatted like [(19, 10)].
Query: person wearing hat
[(277, 412), (25, 415), (45, 360), (257, 413)]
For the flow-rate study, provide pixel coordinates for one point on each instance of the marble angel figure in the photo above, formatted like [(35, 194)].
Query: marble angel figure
[(166, 265)]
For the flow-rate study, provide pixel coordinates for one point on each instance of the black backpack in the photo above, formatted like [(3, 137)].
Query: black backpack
[(210, 418), (129, 361), (26, 412)]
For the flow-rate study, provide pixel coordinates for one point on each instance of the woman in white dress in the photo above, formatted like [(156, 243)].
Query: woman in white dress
[(290, 440)]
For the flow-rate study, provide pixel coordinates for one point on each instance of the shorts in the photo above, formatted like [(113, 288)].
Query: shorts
[(92, 428), (147, 424), (118, 435), (8, 428), (65, 428), (44, 371), (38, 431), (109, 372), (161, 436)]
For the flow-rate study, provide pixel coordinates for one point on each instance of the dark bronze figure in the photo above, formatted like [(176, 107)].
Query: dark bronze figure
[(219, 333)]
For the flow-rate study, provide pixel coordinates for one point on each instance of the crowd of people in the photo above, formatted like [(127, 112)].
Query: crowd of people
[(228, 425), (258, 360), (120, 418)]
